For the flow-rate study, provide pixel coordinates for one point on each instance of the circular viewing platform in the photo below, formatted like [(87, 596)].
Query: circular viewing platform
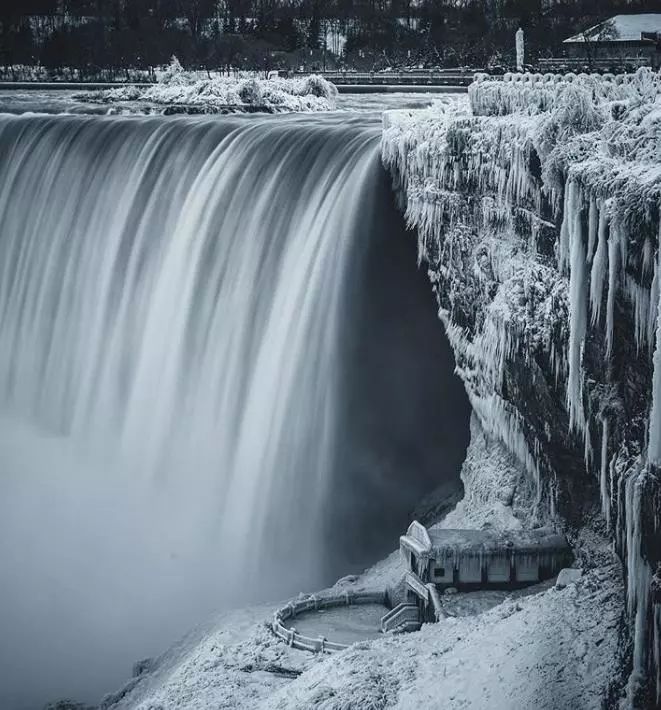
[(331, 623)]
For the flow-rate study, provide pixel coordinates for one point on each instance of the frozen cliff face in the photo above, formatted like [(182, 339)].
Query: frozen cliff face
[(537, 214)]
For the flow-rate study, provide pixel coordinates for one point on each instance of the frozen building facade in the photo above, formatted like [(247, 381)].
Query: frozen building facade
[(481, 559), (469, 560), (537, 216)]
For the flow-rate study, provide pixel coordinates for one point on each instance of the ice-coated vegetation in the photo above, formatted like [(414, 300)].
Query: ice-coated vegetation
[(537, 214), (179, 88), (538, 93)]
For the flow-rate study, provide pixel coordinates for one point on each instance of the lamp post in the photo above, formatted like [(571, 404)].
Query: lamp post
[(520, 50)]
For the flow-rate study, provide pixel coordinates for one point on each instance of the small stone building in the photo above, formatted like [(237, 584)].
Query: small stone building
[(478, 559)]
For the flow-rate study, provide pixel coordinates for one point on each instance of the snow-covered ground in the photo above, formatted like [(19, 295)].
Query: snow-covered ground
[(553, 650), (549, 650), (540, 647), (179, 89)]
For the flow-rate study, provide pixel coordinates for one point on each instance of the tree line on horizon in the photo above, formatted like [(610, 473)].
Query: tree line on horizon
[(267, 34)]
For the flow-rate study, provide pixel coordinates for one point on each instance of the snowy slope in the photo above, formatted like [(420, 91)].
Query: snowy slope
[(556, 649), (551, 649)]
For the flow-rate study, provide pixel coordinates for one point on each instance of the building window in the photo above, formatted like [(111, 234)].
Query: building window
[(439, 571)]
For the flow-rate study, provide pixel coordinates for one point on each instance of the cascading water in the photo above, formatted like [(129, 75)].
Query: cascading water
[(174, 306), (160, 302)]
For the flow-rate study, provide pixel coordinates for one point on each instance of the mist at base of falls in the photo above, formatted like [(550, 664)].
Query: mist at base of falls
[(222, 380), (405, 414)]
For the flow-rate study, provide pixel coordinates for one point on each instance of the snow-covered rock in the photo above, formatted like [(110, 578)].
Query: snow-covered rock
[(568, 576)]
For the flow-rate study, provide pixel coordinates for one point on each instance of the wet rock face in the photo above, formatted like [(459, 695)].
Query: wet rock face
[(537, 214)]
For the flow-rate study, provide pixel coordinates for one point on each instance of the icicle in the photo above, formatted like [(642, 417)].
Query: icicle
[(656, 645), (553, 496), (639, 577), (577, 313), (503, 421), (565, 228), (613, 272), (654, 448), (612, 480), (648, 257), (598, 269), (587, 448), (594, 216), (603, 479), (652, 314)]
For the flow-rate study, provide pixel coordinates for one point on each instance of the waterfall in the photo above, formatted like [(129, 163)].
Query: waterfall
[(222, 379), (171, 295)]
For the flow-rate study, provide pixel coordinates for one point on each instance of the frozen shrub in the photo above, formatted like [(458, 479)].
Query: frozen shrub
[(316, 85), (576, 112), (618, 109), (646, 83), (250, 92), (174, 75)]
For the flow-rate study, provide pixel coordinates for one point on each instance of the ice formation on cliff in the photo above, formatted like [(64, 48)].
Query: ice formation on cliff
[(654, 451), (537, 213)]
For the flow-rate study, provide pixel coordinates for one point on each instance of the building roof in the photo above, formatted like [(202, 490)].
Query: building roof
[(466, 541), (621, 28), (438, 542)]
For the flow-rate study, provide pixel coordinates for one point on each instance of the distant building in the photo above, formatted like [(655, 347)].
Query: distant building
[(476, 559), (621, 42)]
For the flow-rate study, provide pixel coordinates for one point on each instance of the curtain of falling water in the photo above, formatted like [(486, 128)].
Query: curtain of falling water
[(172, 291), (170, 306)]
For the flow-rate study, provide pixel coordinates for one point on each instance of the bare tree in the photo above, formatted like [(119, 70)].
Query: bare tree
[(592, 36)]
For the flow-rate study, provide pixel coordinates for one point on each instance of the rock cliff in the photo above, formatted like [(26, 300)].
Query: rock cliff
[(536, 209)]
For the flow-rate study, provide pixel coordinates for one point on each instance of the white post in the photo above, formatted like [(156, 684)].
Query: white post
[(520, 50)]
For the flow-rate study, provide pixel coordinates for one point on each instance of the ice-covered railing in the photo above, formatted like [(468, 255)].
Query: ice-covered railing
[(537, 93), (314, 603), (537, 214)]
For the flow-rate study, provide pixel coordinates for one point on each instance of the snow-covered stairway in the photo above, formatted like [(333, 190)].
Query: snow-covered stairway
[(403, 617)]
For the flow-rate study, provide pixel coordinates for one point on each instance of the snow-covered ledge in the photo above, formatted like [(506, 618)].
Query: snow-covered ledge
[(537, 214)]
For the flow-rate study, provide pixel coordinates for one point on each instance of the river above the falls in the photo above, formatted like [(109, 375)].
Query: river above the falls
[(65, 101)]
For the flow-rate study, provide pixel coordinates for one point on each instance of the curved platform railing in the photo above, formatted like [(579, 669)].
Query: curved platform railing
[(312, 603)]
